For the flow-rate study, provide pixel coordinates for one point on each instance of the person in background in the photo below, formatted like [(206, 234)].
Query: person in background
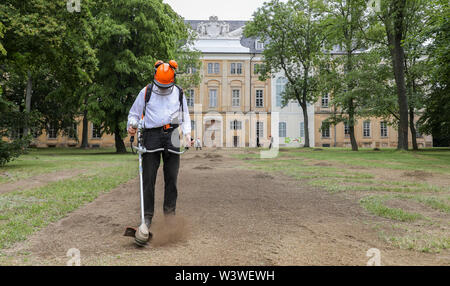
[(198, 144)]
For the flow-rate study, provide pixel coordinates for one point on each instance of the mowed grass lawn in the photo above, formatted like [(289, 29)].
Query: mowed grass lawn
[(28, 209), (407, 193)]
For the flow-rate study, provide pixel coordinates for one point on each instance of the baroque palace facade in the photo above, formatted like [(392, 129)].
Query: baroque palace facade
[(232, 108)]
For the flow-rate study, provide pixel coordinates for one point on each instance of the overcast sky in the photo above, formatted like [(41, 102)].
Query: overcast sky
[(224, 9)]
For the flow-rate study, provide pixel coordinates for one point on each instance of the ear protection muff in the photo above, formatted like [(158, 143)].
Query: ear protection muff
[(157, 64)]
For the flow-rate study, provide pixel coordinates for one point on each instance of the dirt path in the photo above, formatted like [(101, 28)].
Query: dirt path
[(226, 215)]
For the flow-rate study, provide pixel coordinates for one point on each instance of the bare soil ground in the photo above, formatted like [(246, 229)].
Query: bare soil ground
[(225, 216)]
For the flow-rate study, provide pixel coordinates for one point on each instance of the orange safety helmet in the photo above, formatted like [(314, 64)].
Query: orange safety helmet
[(165, 73)]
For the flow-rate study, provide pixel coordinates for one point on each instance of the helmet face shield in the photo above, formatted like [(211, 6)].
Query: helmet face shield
[(164, 74)]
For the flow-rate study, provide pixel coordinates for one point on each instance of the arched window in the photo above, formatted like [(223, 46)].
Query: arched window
[(279, 86)]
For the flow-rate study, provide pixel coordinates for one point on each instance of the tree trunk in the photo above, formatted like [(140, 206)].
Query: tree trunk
[(120, 145), (413, 128), (85, 139), (29, 93), (351, 125), (394, 30), (306, 124)]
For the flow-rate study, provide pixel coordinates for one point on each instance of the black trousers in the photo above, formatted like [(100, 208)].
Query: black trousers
[(154, 139)]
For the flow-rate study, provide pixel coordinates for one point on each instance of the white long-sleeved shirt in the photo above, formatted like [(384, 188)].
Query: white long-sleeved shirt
[(161, 110)]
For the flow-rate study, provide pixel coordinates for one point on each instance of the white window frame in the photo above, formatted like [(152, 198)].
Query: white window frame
[(259, 98), (213, 68), (259, 45), (346, 129), (52, 129), (216, 68), (236, 68), (325, 101), (235, 125), (235, 97), (325, 132), (93, 133), (366, 129), (259, 129), (279, 89), (302, 129), (383, 129), (190, 99), (282, 129), (212, 99)]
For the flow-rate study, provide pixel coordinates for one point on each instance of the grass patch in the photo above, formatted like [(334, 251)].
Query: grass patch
[(24, 212), (432, 160), (375, 205), (424, 243), (44, 161), (432, 202)]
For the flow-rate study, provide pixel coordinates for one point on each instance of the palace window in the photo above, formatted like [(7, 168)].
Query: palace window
[(259, 129), (366, 128), (282, 129), (236, 68), (279, 89), (235, 98), (383, 129), (346, 129), (302, 129), (96, 131), (418, 133), (235, 125), (259, 45), (325, 100), (213, 68), (190, 98), (259, 98), (213, 98), (325, 130), (191, 70), (193, 125), (72, 131), (258, 68), (52, 131)]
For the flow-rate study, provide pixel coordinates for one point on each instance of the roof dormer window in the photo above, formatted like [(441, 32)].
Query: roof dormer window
[(259, 45)]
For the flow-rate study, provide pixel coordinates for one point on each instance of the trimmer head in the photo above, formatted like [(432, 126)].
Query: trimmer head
[(141, 235)]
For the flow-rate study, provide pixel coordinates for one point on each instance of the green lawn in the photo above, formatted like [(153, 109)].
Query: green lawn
[(364, 173), (26, 211)]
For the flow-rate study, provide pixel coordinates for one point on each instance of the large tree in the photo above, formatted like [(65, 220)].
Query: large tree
[(346, 75), (392, 16), (436, 117), (293, 38), (130, 37), (49, 57)]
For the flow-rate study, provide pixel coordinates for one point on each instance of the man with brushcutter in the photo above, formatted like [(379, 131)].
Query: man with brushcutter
[(163, 108)]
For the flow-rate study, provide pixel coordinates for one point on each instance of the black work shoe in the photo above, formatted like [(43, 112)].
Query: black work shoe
[(148, 221)]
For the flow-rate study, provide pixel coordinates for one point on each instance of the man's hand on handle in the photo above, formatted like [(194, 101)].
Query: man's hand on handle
[(132, 131)]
